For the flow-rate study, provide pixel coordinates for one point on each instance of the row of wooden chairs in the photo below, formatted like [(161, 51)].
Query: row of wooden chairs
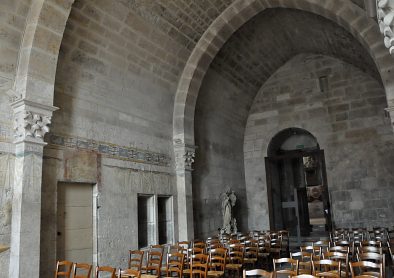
[(69, 269), (322, 268)]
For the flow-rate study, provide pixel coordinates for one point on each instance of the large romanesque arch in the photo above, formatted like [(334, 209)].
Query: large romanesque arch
[(351, 17)]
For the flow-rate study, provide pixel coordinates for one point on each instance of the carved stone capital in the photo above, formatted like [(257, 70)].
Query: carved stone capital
[(31, 121), (385, 14), (184, 156)]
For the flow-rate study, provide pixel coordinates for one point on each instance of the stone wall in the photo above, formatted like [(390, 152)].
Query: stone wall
[(219, 127), (12, 22), (115, 85), (117, 184), (350, 125)]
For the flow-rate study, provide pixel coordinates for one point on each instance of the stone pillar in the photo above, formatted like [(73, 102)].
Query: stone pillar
[(184, 158), (385, 14), (31, 122)]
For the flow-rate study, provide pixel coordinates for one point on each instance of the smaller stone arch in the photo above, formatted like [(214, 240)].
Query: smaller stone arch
[(292, 138)]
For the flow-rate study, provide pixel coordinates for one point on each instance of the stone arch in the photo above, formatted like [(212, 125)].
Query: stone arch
[(282, 136), (38, 55), (349, 16)]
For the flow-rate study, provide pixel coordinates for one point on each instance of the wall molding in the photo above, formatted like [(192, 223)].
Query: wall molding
[(109, 150)]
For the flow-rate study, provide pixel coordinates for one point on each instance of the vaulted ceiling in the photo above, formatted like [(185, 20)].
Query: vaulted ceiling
[(274, 36)]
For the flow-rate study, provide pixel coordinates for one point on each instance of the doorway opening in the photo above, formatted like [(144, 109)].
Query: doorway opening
[(297, 184)]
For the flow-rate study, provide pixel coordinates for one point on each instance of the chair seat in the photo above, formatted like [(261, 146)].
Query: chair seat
[(215, 273), (327, 274), (186, 271), (233, 266), (250, 260), (148, 276)]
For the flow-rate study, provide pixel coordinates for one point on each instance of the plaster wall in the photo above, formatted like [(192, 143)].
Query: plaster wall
[(219, 128), (350, 125)]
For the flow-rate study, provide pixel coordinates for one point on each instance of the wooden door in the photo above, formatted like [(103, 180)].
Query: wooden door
[(274, 194), (75, 222)]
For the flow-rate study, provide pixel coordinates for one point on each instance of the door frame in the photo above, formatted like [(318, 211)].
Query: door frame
[(294, 154), (95, 215)]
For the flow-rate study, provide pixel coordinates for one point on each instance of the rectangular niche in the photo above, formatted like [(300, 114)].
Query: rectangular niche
[(165, 219), (146, 220)]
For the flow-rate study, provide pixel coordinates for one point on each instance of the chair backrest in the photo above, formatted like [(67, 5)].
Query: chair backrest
[(105, 270), (316, 251), (304, 276), (370, 249), (135, 259), (373, 257), (199, 244), (326, 268), (175, 264), (63, 269), (323, 244), (285, 266), (341, 249), (199, 265), (236, 253), (374, 243), (257, 272), (343, 258), (363, 268), (183, 244), (82, 270), (217, 259), (155, 257)]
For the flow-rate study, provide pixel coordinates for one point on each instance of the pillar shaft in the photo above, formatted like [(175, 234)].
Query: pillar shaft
[(31, 122), (184, 157)]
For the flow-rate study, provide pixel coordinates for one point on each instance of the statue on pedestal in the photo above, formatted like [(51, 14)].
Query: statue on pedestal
[(228, 202)]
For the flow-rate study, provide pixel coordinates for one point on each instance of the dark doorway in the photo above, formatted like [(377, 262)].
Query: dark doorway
[(296, 183)]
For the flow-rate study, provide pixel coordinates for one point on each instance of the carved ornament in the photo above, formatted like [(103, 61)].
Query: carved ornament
[(385, 14)]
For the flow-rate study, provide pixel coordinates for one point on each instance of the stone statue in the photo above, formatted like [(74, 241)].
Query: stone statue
[(228, 202)]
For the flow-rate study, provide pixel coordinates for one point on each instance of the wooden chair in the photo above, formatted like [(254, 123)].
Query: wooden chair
[(63, 269), (129, 273), (257, 272), (135, 259), (373, 257), (343, 258), (153, 265), (217, 262), (326, 268), (364, 269), (235, 258), (82, 270), (287, 266), (251, 251), (175, 264), (105, 270), (199, 266), (304, 262)]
